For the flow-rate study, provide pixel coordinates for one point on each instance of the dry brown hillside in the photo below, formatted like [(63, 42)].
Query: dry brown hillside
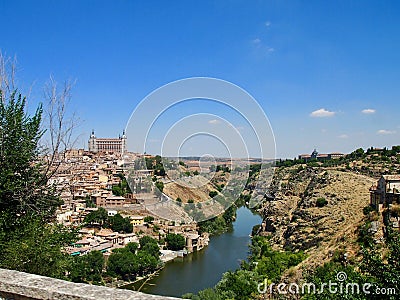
[(316, 210), (196, 187)]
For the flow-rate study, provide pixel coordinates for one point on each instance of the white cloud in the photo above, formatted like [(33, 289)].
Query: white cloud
[(268, 23), (261, 47), (385, 132), (368, 111), (343, 136), (214, 121), (322, 113)]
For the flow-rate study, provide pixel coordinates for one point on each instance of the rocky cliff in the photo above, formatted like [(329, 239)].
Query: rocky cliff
[(316, 210)]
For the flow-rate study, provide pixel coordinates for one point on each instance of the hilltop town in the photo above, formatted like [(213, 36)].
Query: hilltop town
[(89, 180)]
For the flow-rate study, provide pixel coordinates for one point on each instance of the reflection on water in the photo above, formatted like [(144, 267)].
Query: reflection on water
[(204, 269)]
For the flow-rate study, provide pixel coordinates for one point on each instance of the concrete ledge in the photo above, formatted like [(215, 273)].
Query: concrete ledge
[(16, 285)]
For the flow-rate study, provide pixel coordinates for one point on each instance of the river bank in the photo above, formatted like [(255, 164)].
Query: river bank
[(203, 269), (166, 256)]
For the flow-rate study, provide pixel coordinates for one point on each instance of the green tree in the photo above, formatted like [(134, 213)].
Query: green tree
[(27, 201), (117, 191), (230, 214), (35, 247), (160, 186), (132, 247), (212, 194), (123, 264), (122, 188), (120, 224), (214, 225), (23, 185), (149, 219), (89, 202), (95, 262), (175, 242), (88, 268), (129, 262), (99, 216), (155, 163), (146, 262), (149, 245), (152, 249), (237, 285), (146, 240)]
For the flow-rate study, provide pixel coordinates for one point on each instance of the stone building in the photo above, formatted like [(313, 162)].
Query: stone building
[(320, 157), (107, 144), (386, 192), (196, 242), (104, 200)]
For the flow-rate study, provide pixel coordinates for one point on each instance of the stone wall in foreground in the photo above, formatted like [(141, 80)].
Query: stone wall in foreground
[(23, 286)]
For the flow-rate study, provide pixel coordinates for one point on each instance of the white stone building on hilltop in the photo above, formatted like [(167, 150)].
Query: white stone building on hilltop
[(117, 145)]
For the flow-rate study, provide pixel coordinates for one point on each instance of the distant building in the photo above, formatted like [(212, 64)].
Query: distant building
[(386, 192), (196, 242), (107, 144), (73, 153), (336, 155), (111, 213), (110, 201), (137, 220), (321, 157)]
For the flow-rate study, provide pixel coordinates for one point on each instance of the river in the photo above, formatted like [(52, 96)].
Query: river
[(203, 269)]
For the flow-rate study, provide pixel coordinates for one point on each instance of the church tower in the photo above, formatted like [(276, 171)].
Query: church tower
[(314, 154), (92, 143), (123, 142)]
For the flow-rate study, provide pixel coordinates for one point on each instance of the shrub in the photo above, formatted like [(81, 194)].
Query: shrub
[(212, 194), (255, 229), (321, 202), (367, 210), (149, 219)]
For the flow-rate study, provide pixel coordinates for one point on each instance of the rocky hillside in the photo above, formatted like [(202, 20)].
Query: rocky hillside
[(195, 187), (316, 210)]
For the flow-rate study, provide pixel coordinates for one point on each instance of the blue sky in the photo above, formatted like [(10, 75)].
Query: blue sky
[(338, 59)]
